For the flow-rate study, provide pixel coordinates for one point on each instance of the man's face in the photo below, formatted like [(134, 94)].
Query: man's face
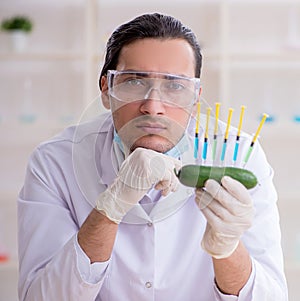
[(152, 123)]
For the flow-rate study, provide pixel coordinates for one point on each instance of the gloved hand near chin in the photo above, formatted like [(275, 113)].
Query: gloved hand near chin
[(229, 212), (142, 169)]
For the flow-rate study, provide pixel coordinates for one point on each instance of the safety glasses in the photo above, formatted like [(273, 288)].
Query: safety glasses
[(172, 90)]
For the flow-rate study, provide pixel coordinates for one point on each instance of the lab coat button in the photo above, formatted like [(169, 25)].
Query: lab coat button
[(148, 284), (149, 224)]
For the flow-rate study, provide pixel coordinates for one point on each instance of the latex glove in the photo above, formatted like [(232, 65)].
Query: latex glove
[(229, 213), (138, 173)]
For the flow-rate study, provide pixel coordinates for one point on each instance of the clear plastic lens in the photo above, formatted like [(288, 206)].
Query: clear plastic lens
[(171, 89)]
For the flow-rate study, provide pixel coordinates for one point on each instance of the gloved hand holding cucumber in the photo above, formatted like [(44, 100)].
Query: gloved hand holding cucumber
[(224, 200)]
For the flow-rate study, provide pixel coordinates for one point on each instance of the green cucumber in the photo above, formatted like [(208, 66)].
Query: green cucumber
[(197, 175)]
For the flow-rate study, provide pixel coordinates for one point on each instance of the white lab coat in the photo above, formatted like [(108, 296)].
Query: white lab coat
[(156, 256)]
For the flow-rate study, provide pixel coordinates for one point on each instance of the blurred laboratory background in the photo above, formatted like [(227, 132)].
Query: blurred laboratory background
[(49, 79)]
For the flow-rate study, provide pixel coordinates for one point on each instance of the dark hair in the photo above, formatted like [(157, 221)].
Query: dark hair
[(148, 26)]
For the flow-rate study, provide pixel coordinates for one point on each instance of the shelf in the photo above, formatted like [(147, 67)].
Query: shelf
[(262, 2), (29, 134), (41, 56), (287, 58), (46, 5), (39, 125), (276, 130), (166, 2), (259, 63), (207, 2), (286, 54)]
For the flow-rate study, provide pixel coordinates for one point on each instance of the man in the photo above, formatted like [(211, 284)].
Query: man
[(102, 215)]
